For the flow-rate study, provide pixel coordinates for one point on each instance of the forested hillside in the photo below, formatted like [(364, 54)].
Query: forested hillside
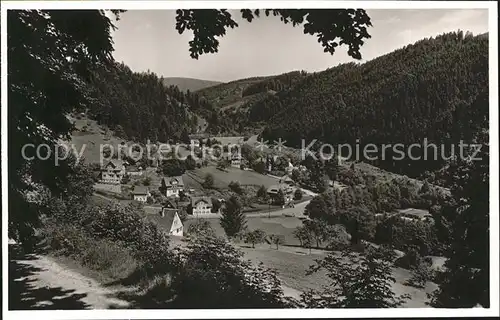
[(185, 84), (234, 99), (138, 106), (436, 89)]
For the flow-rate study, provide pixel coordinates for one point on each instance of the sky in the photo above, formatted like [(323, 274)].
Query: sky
[(147, 40)]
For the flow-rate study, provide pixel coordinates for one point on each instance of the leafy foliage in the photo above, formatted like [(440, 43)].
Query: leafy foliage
[(332, 27), (212, 274), (356, 281), (255, 236), (201, 228), (414, 93), (49, 52), (236, 187), (208, 183), (277, 239), (233, 220), (465, 281)]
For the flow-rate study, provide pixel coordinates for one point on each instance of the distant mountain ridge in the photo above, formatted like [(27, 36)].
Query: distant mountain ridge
[(190, 84)]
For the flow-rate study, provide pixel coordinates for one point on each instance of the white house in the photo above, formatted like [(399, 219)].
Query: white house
[(234, 159), (201, 205), (113, 171), (169, 221), (140, 193), (170, 186)]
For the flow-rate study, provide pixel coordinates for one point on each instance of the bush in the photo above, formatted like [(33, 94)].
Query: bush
[(236, 187), (146, 181), (124, 226), (297, 195), (208, 183), (111, 259), (420, 275), (410, 260), (214, 274)]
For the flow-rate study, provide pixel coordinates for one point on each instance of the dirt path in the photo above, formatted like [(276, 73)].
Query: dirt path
[(39, 282)]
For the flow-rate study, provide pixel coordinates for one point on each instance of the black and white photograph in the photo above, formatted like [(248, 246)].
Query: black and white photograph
[(175, 159)]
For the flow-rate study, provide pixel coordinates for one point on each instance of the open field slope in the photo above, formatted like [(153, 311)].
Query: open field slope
[(292, 264), (223, 178)]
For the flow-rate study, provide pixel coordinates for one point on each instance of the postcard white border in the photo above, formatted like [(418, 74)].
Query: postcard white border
[(264, 313)]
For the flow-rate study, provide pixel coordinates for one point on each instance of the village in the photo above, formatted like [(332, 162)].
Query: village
[(172, 199), (176, 193), (156, 159)]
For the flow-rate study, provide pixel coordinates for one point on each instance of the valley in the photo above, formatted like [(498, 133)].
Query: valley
[(363, 184)]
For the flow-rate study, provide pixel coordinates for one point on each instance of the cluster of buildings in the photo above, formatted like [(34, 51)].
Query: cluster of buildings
[(114, 171)]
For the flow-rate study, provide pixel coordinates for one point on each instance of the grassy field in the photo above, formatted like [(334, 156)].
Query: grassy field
[(275, 225), (292, 264), (89, 134), (222, 179)]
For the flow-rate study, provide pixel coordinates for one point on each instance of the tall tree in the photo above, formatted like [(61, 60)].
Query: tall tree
[(356, 281), (233, 220), (213, 274), (52, 51), (466, 281), (49, 52)]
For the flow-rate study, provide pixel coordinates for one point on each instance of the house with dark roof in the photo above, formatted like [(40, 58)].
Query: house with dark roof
[(201, 205), (170, 186), (169, 205), (140, 193), (169, 221), (287, 180), (274, 190), (113, 171)]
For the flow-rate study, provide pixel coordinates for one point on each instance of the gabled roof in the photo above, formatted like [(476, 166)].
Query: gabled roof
[(164, 222), (140, 190), (169, 205), (196, 200), (170, 181), (230, 155), (286, 178), (116, 163), (275, 188)]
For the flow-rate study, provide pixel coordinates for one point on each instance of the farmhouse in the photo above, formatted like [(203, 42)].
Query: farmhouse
[(287, 180), (235, 159), (201, 205), (273, 191), (169, 220), (140, 193), (113, 171), (170, 186)]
